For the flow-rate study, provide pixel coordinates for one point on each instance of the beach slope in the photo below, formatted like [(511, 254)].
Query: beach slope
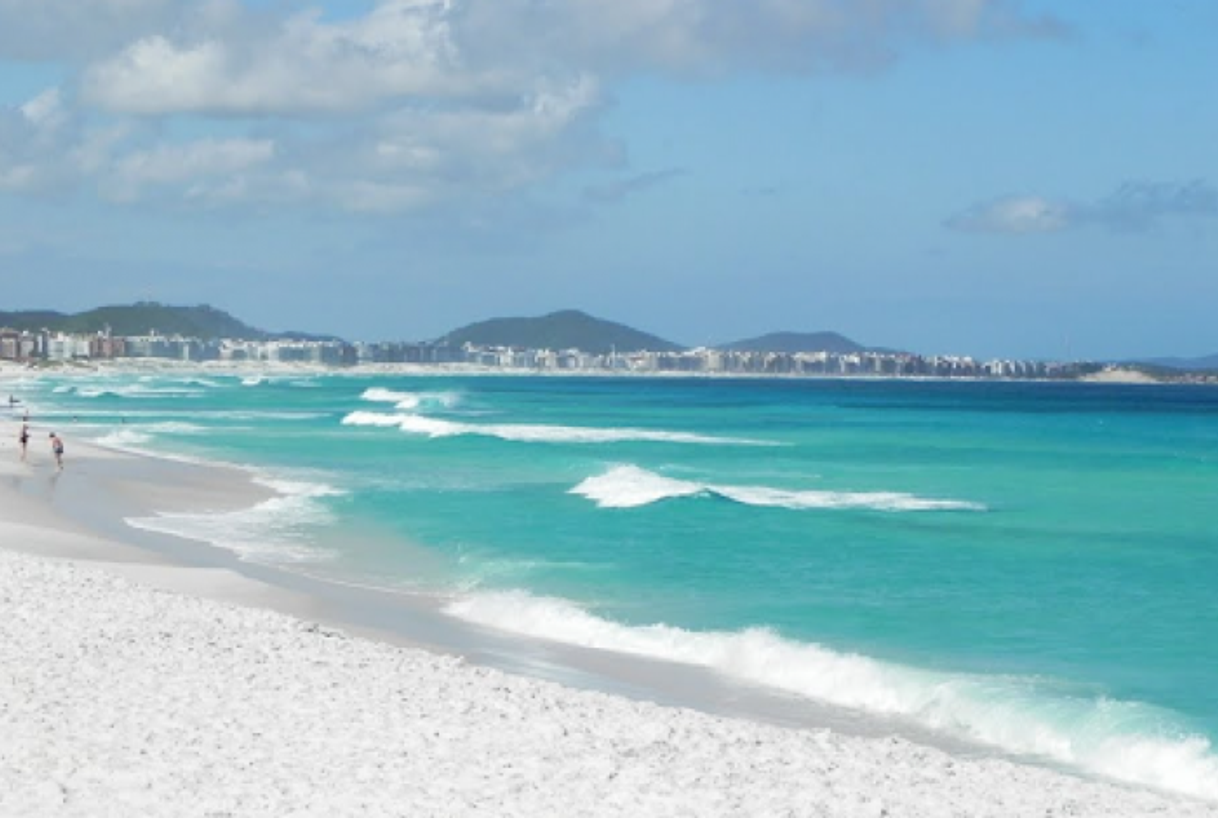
[(124, 691)]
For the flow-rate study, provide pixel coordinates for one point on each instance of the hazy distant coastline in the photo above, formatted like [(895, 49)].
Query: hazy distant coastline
[(9, 369), (566, 342)]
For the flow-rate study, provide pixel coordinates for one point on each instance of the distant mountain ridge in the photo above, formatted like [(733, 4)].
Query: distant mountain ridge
[(145, 317), (1204, 362), (792, 342), (566, 329)]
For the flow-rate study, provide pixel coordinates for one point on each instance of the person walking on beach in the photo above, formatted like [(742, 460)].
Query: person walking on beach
[(24, 439), (57, 448)]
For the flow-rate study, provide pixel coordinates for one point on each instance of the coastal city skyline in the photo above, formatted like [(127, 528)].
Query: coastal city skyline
[(1014, 178), (450, 354), (566, 340)]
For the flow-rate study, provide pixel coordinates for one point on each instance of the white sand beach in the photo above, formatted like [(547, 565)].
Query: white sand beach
[(134, 684)]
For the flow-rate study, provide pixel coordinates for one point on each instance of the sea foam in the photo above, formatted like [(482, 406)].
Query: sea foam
[(275, 530), (138, 390), (534, 433), (1128, 741), (408, 401), (125, 439), (136, 437), (628, 486)]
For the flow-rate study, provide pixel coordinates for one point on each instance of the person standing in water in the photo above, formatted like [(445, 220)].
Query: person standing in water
[(57, 448), (24, 438)]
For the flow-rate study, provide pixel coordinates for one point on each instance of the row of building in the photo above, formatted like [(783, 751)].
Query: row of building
[(57, 346), (713, 361)]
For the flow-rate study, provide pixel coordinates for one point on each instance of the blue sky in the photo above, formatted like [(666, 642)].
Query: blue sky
[(986, 177)]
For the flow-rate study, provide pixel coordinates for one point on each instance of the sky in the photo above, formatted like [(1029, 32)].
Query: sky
[(998, 178)]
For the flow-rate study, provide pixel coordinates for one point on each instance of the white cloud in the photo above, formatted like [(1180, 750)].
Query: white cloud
[(45, 148), (414, 159), (17, 178), (190, 164), (155, 76), (408, 160), (479, 139), (367, 196), (95, 149), (1133, 206), (32, 139), (45, 110), (304, 65), (413, 104), (1014, 214), (74, 29), (232, 61)]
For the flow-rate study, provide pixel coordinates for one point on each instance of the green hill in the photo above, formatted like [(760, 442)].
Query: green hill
[(142, 318), (568, 329), (1187, 364), (791, 342)]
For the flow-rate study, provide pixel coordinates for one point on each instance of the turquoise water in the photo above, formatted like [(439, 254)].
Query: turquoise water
[(1033, 566)]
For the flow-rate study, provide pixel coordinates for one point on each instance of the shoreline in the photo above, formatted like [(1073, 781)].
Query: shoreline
[(1111, 377), (406, 618), (721, 723)]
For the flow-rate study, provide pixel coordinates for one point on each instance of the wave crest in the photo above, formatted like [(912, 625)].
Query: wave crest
[(125, 440), (534, 433), (1129, 741), (137, 391), (629, 486), (407, 401)]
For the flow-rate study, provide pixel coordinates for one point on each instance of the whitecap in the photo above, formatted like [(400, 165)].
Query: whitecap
[(536, 433), (408, 401), (628, 486), (139, 390), (125, 439), (378, 394), (1128, 741)]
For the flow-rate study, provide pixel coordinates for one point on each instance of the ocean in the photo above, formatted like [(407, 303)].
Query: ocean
[(1028, 566)]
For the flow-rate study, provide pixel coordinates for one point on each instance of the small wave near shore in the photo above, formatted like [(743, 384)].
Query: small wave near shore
[(1127, 741), (276, 530)]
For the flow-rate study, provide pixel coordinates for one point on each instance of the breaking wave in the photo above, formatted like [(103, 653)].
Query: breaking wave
[(125, 439), (534, 433), (141, 391), (630, 487), (1128, 741), (407, 401), (135, 437)]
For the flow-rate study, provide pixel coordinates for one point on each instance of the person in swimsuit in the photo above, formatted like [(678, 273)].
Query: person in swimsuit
[(57, 448), (24, 438)]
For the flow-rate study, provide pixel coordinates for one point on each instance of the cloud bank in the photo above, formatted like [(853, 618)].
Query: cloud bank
[(409, 105)]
